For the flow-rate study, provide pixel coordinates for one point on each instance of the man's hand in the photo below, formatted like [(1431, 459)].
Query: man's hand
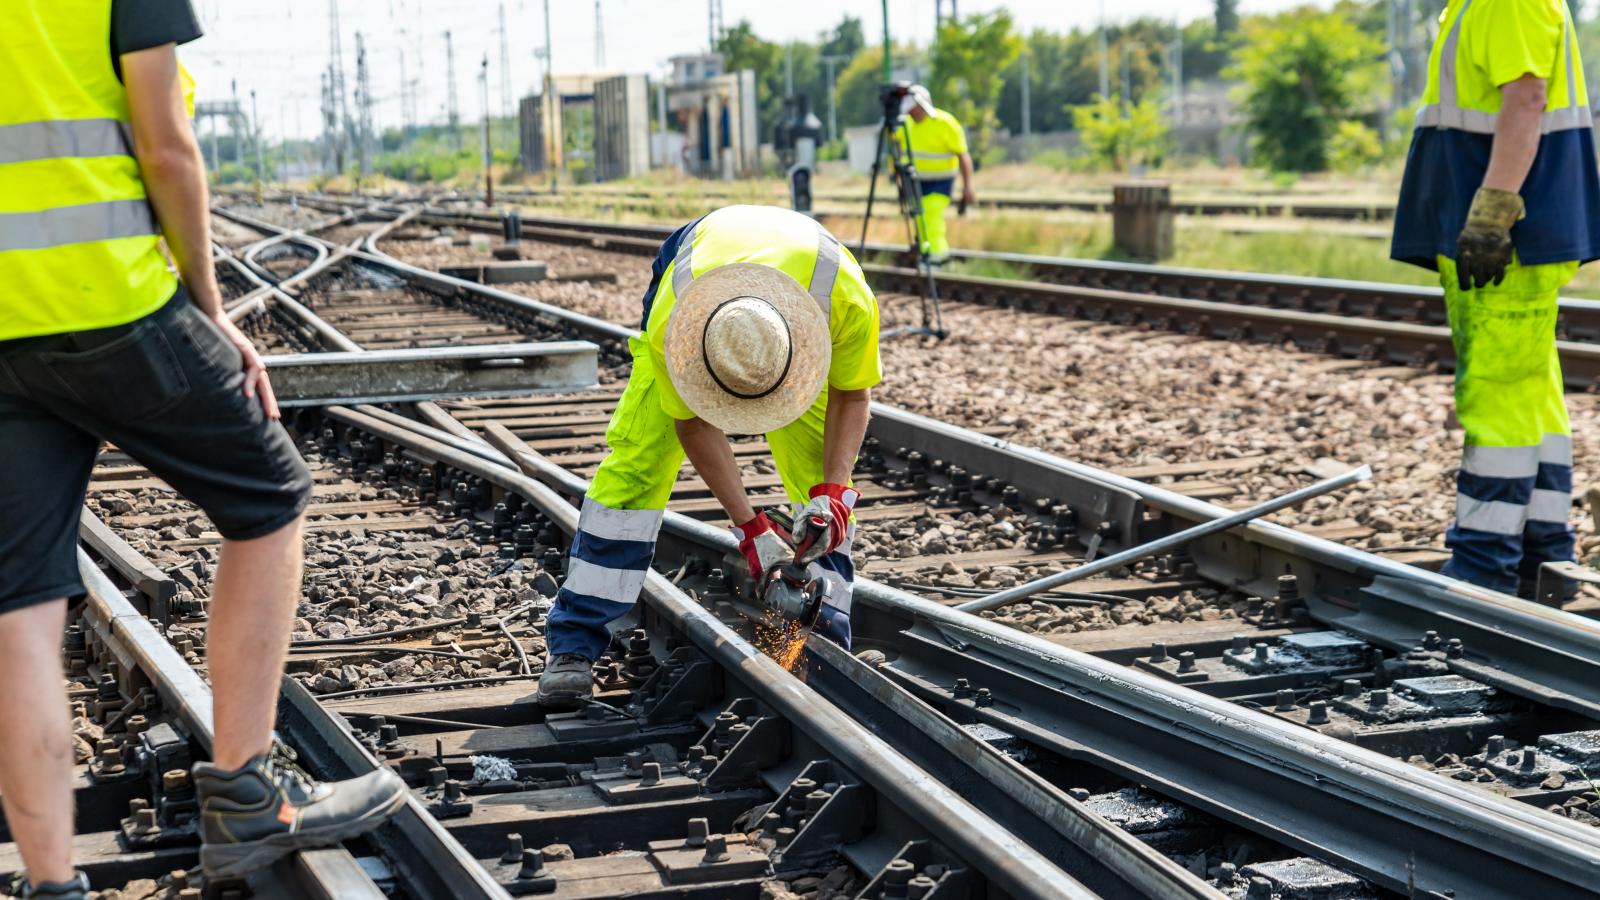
[(256, 385), (833, 503), (762, 546), (1484, 248), (967, 196)]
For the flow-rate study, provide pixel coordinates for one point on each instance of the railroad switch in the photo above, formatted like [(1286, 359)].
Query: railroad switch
[(686, 682), (169, 814), (1295, 659)]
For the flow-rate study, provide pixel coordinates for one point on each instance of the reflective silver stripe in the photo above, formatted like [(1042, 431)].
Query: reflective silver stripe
[(616, 585), (1500, 462), (1557, 449), (683, 263), (826, 271), (77, 224), (1493, 516), (602, 521), (1447, 113), (929, 154), (64, 138), (1549, 506)]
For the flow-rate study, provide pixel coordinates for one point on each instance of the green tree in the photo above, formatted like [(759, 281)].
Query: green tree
[(742, 48), (970, 59), (1227, 17), (1303, 73), (1120, 135)]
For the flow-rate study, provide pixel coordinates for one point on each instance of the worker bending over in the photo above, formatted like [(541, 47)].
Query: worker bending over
[(99, 342), (756, 321), (938, 150), (1500, 195)]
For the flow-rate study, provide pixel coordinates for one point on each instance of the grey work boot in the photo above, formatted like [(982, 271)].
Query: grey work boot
[(76, 889), (567, 681), (251, 816)]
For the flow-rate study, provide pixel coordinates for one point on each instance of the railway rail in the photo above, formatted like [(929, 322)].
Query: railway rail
[(1335, 706), (1396, 324)]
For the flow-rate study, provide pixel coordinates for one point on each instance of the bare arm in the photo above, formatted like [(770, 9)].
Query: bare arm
[(1516, 134), (966, 178), (843, 428), (174, 176), (173, 171), (712, 456)]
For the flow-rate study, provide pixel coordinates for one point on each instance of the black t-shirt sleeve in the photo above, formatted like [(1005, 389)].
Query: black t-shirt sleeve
[(142, 24)]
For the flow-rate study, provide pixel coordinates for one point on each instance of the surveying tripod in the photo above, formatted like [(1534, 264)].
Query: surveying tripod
[(894, 137)]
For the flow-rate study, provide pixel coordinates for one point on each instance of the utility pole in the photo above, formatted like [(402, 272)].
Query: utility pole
[(506, 107), (405, 102), (888, 58), (233, 125), (255, 128), (363, 112), (788, 69), (599, 38), (336, 82), (554, 155), (1105, 74), (452, 108), (488, 149), (1027, 98), (828, 62)]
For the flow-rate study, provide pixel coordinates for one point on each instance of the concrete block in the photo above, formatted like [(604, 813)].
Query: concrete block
[(498, 272), (1142, 219)]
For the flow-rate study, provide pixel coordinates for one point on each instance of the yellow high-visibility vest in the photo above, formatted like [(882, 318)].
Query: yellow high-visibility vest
[(78, 239), (937, 143)]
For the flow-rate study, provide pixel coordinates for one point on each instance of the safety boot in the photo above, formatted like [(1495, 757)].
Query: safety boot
[(76, 889), (251, 816), (567, 681)]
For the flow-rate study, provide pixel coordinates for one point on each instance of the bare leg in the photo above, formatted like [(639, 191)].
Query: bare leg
[(36, 744), (252, 613)]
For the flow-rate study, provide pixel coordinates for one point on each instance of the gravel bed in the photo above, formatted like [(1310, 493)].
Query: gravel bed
[(366, 582), (281, 214)]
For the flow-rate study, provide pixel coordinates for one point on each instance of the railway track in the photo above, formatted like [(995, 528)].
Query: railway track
[(1274, 736), (1394, 324)]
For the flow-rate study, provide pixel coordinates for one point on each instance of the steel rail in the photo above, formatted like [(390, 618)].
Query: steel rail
[(1242, 765), (1579, 319), (331, 872), (1004, 860)]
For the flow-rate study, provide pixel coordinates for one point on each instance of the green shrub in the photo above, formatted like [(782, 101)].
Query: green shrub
[(1354, 147)]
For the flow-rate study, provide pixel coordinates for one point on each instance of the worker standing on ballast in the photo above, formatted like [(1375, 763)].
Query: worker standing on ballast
[(756, 321), (98, 341), (1501, 196), (938, 151)]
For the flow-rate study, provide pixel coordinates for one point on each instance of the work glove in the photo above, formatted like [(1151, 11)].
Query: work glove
[(762, 545), (832, 503), (1484, 248)]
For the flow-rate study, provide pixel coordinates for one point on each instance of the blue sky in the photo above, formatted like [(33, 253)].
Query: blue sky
[(279, 47)]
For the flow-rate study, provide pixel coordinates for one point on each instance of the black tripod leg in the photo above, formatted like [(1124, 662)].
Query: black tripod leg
[(872, 191)]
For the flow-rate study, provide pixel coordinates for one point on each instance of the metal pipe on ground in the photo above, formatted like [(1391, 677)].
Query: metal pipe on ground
[(1177, 539)]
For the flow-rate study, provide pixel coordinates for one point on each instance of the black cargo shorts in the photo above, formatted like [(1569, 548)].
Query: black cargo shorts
[(167, 390)]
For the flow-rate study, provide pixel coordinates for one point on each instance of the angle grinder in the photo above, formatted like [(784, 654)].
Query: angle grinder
[(788, 588)]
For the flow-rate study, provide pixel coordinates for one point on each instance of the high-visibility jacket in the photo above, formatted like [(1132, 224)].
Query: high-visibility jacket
[(78, 239), (1483, 45), (785, 240), (937, 143)]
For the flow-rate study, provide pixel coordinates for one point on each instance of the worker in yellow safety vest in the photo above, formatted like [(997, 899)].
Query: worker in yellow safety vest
[(1501, 196), (100, 341), (938, 151), (756, 321)]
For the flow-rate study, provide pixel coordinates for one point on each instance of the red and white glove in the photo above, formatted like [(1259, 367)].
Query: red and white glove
[(763, 546), (832, 502)]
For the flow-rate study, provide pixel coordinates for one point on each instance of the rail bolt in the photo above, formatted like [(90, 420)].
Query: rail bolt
[(1158, 652), (1186, 661), (699, 831), (1319, 713), (513, 848)]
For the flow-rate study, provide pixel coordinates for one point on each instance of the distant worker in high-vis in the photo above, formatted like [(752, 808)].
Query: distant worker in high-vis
[(756, 321), (938, 151), (1501, 196)]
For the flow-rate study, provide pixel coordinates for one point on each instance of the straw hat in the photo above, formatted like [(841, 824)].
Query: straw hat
[(747, 348)]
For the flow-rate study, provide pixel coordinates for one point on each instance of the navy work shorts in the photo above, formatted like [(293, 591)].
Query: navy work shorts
[(167, 390)]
